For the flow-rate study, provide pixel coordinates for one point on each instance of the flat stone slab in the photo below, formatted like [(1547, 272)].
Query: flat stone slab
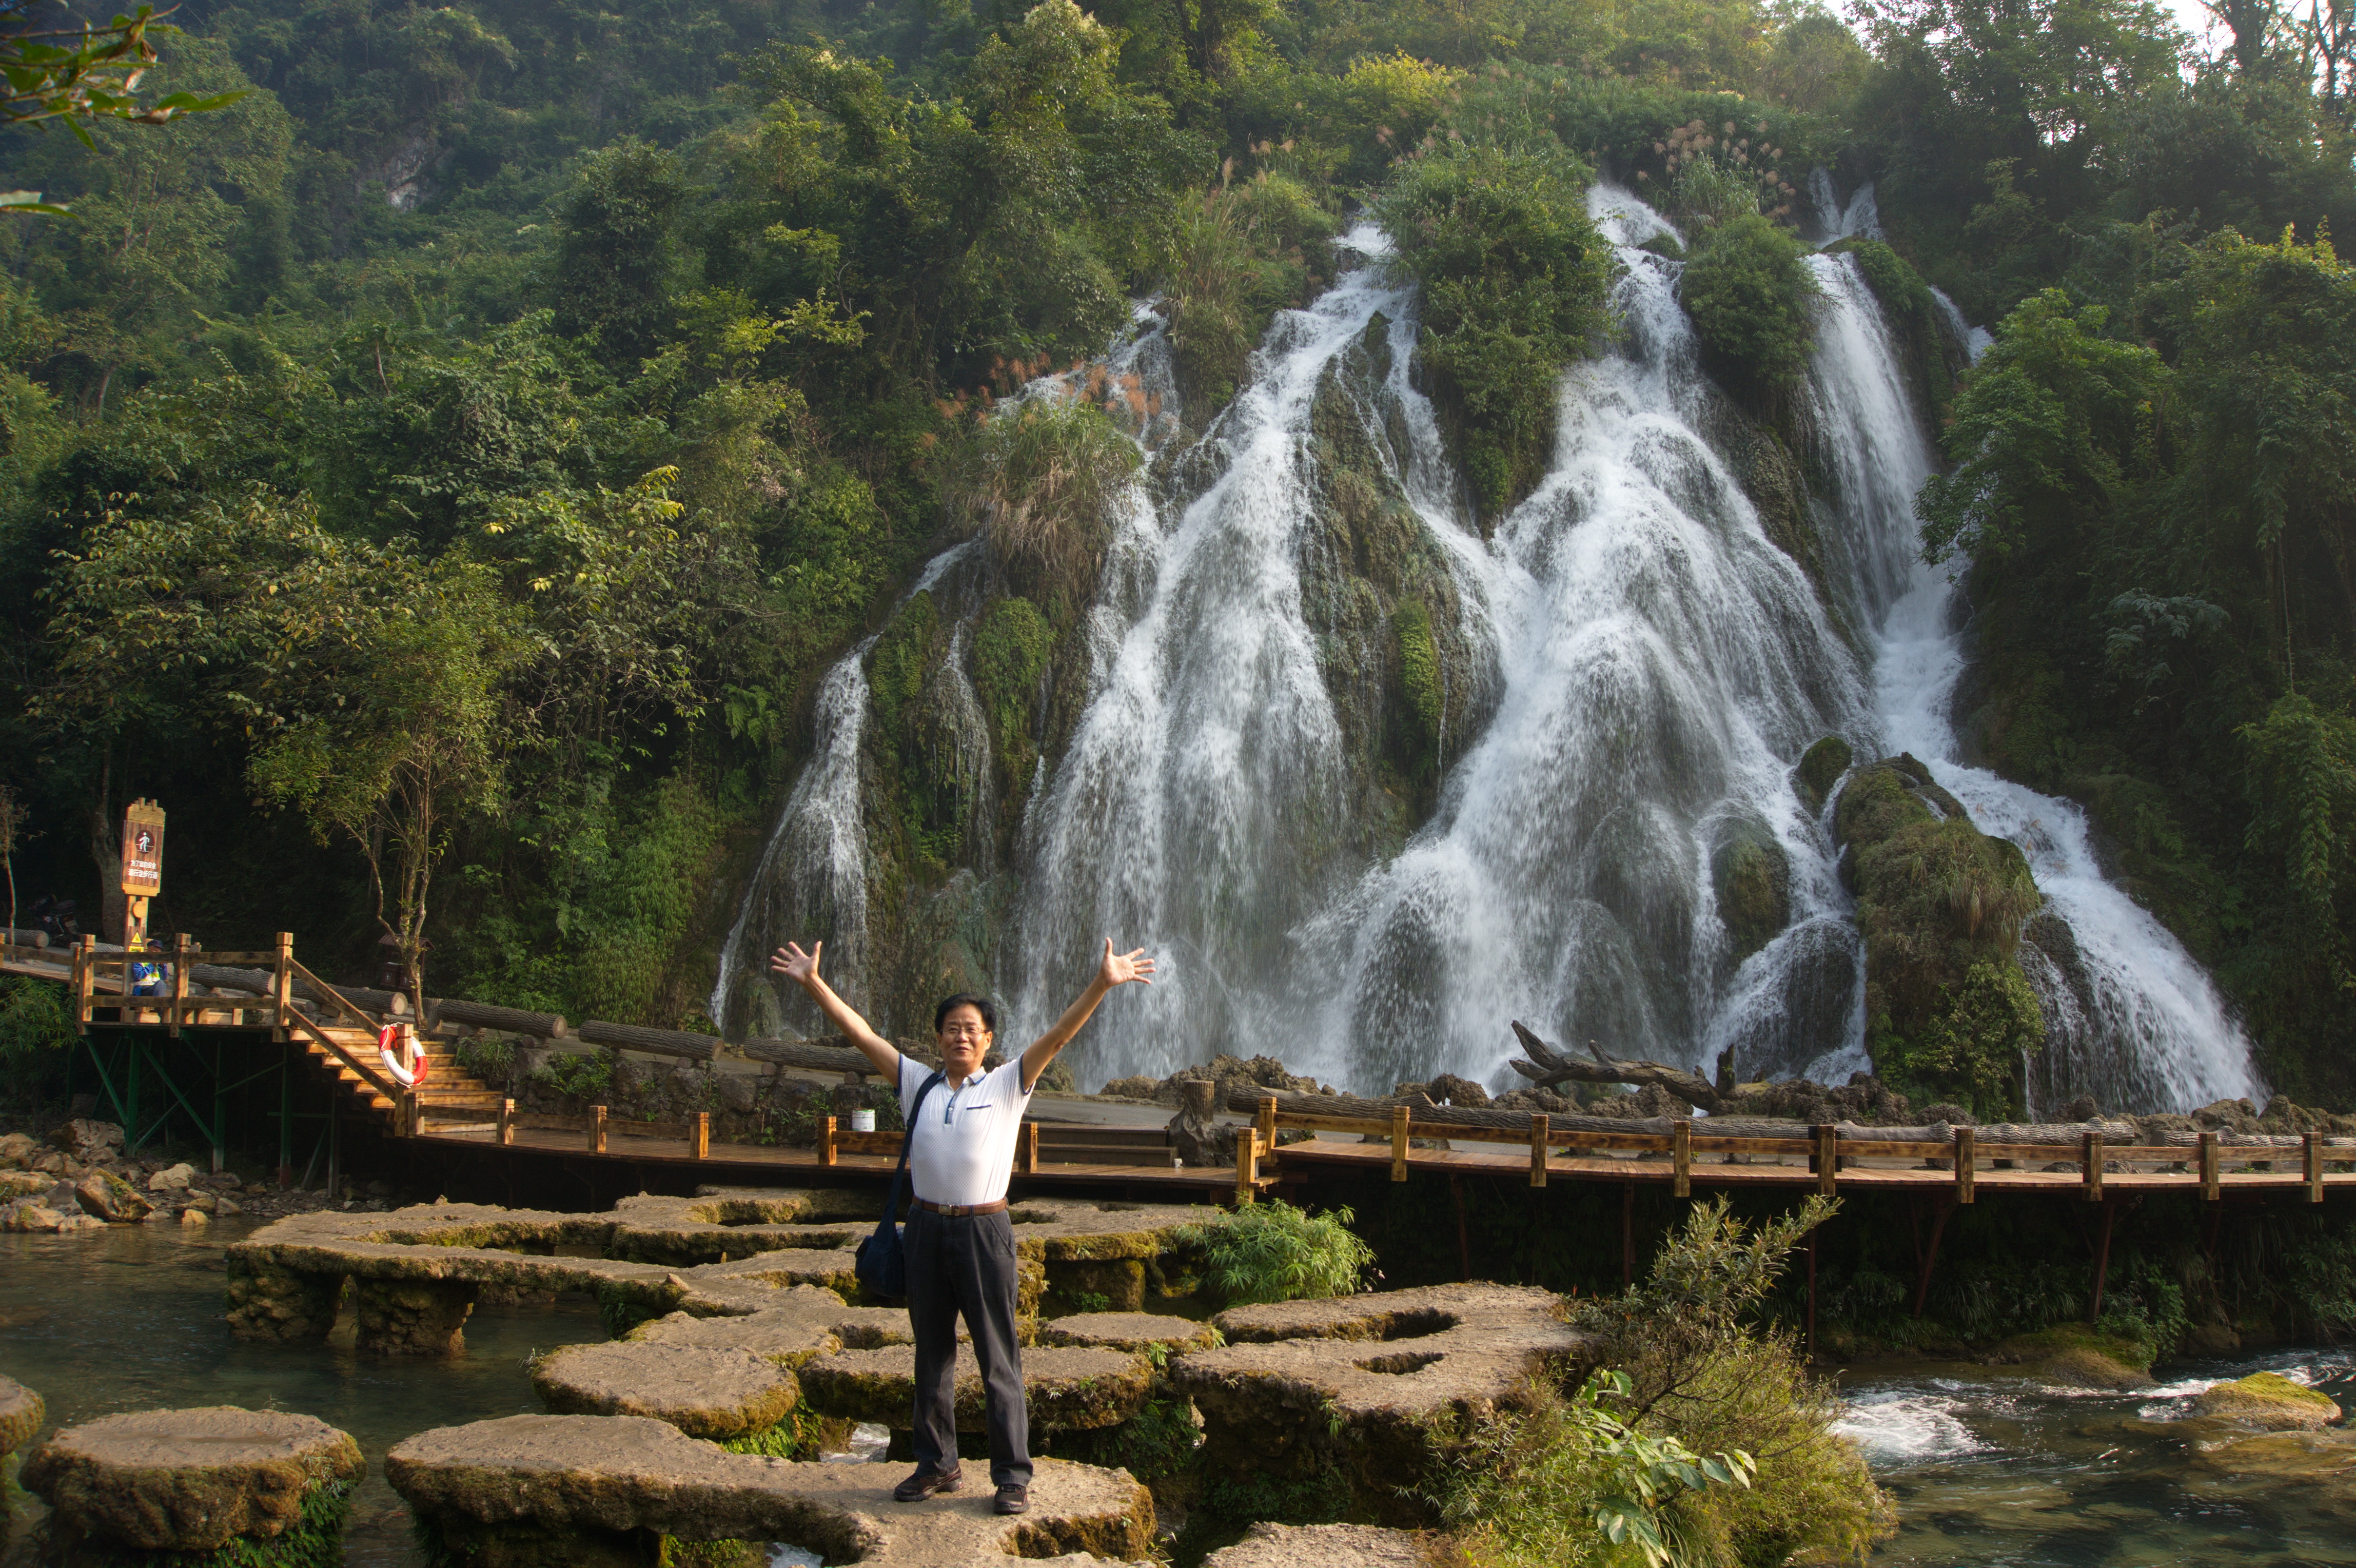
[(1136, 1332), (1065, 1390), (705, 1391), (188, 1480), (731, 1221), (1320, 1546), (21, 1414), (804, 1323), (618, 1474), (1369, 1383)]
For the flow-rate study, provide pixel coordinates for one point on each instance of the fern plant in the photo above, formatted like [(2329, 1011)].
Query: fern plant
[(1273, 1251)]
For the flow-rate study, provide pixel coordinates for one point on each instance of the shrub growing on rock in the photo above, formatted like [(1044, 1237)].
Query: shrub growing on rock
[(1273, 1251), (1034, 480), (1748, 291)]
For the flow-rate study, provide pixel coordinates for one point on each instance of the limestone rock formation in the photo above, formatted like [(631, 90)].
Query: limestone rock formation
[(718, 1394), (554, 1491), (21, 1414), (1321, 1546), (1136, 1332), (108, 1197), (1066, 1389), (88, 1141), (189, 1481)]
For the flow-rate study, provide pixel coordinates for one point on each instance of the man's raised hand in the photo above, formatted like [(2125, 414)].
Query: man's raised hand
[(800, 967), (1119, 969)]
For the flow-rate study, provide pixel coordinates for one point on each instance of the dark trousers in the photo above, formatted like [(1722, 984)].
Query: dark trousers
[(965, 1267)]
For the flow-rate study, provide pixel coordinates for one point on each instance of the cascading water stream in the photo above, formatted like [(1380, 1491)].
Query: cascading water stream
[(1650, 662)]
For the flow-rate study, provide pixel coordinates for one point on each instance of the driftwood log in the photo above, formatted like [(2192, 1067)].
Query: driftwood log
[(482, 1015), (260, 982), (1549, 1067), (1439, 1118), (659, 1042), (808, 1055)]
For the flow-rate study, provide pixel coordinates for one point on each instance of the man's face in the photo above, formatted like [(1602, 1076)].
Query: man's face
[(964, 1040)]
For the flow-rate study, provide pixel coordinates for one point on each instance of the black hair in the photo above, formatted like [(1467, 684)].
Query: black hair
[(981, 1004)]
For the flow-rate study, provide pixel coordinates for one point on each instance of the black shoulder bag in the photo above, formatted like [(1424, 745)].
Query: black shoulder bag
[(880, 1264)]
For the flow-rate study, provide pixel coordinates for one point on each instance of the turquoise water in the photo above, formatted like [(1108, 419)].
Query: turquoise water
[(130, 1318), (1994, 1473)]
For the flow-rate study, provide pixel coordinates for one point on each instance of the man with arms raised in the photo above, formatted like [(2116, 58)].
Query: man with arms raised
[(959, 1243)]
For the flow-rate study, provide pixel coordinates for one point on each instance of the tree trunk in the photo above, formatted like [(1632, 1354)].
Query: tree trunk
[(661, 1042)]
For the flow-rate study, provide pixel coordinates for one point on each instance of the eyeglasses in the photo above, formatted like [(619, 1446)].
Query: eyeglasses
[(965, 1031)]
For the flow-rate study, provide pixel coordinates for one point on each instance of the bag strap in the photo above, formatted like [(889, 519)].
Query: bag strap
[(907, 1141)]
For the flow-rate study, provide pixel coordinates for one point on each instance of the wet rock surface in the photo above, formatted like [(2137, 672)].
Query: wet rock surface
[(549, 1490), (188, 1480), (1320, 1546), (1066, 1389), (712, 1393), (2268, 1401)]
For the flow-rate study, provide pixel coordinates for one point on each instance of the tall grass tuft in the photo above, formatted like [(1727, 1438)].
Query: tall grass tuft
[(1273, 1251)]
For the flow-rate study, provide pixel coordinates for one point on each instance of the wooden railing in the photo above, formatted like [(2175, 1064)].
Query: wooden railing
[(1825, 1147)]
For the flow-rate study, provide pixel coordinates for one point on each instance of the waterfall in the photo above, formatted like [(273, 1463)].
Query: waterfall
[(1642, 659)]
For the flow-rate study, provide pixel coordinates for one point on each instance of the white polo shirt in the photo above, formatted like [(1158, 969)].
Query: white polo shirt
[(963, 1152)]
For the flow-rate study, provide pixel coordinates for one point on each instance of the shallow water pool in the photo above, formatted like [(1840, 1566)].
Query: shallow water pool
[(1996, 1471)]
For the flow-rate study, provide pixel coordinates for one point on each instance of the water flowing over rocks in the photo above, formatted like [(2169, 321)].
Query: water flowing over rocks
[(189, 1481)]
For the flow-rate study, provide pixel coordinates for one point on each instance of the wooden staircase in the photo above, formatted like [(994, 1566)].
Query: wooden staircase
[(451, 1093)]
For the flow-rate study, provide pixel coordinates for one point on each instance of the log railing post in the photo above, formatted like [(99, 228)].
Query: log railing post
[(1247, 1164), (1966, 1164), (1031, 1148), (85, 980), (1399, 1119), (826, 1150), (2209, 1182), (1826, 1159), (2090, 1155), (179, 984), (407, 1116), (596, 1129), (2311, 1147), (703, 1149), (282, 988), (1681, 1155), (1538, 1149), (507, 1124), (1267, 1123)]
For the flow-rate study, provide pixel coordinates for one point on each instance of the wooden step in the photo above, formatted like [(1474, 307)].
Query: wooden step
[(1081, 1155)]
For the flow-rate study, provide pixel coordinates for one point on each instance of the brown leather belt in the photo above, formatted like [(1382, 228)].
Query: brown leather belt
[(962, 1210)]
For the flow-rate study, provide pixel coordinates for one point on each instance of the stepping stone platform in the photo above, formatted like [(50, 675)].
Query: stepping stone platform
[(1320, 1546), (1065, 1390), (1136, 1332), (725, 1252), (1359, 1387), (807, 1322), (190, 1480), (21, 1414), (565, 1490), (719, 1394)]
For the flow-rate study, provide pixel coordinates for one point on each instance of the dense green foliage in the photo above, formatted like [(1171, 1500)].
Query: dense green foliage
[(1748, 291), (1273, 1251)]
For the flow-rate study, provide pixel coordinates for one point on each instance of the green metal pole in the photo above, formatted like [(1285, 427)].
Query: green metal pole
[(131, 1074), (221, 1112)]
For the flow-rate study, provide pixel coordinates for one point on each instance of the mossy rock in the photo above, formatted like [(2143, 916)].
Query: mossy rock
[(2269, 1401), (1136, 1332), (21, 1415), (1821, 767), (1752, 878), (1066, 1388), (705, 1391), (196, 1480), (2074, 1355)]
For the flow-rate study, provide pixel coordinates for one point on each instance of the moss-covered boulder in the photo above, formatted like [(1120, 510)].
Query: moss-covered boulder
[(1820, 770), (2071, 1354), (551, 1491), (258, 1486), (2269, 1402), (21, 1415), (714, 1393), (1752, 878), (1136, 1332), (1940, 905), (1066, 1389)]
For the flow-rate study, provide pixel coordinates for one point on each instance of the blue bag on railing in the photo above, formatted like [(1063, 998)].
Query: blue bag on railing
[(880, 1264)]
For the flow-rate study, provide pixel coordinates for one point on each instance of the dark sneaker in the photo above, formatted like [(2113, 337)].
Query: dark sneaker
[(924, 1484), (1012, 1498)]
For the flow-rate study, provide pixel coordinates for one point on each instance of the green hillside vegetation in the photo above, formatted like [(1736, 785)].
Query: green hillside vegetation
[(445, 472)]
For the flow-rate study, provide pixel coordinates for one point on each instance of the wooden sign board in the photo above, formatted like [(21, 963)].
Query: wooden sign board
[(143, 849)]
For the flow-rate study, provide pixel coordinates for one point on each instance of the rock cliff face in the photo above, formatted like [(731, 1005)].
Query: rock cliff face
[(1940, 905)]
